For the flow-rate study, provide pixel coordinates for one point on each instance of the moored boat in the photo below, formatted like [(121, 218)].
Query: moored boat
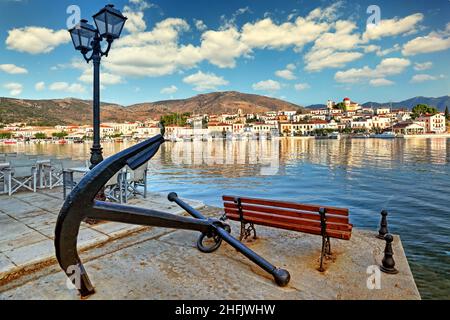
[(385, 135), (10, 141)]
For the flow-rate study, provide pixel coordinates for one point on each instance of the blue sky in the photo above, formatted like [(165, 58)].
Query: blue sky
[(305, 52)]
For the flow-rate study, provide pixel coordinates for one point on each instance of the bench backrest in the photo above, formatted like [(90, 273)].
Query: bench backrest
[(288, 215)]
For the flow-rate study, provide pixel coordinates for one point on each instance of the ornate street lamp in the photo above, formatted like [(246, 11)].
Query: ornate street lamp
[(87, 38)]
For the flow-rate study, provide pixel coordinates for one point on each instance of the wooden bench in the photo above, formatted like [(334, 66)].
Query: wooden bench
[(328, 222)]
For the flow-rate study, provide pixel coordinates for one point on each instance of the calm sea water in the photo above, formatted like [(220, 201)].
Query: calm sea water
[(410, 178)]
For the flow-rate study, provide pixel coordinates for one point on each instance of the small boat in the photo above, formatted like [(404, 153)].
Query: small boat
[(385, 135), (361, 136), (335, 135), (10, 141), (62, 141)]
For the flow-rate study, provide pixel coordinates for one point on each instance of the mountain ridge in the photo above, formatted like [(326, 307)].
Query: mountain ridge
[(69, 111), (75, 111), (439, 102)]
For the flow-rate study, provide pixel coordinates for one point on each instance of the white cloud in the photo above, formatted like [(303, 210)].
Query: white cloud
[(387, 67), (227, 23), (165, 32), (153, 53), (342, 38), (39, 86), (328, 58), (385, 52), (169, 90), (14, 88), (142, 4), (135, 22), (267, 34), (417, 78), (12, 69), (287, 73), (200, 25), (135, 14), (371, 48), (66, 87), (392, 27), (423, 66), (105, 77), (381, 82), (333, 49), (326, 14), (434, 41), (36, 40), (302, 86), (336, 48), (158, 52), (267, 85), (223, 47), (205, 81)]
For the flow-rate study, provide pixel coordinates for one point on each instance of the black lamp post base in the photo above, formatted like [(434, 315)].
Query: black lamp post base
[(96, 156)]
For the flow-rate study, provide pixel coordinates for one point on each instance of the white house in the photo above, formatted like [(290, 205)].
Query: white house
[(434, 123)]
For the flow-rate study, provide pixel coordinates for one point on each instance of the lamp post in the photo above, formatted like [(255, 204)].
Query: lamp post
[(86, 38)]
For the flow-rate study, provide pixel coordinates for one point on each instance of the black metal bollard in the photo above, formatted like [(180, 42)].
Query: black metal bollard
[(388, 263), (383, 225)]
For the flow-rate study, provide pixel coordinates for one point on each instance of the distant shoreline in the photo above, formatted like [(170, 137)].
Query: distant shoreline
[(441, 135)]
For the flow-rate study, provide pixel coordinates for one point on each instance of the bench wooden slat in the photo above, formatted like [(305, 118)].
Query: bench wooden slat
[(298, 214), (344, 235), (289, 205), (289, 220)]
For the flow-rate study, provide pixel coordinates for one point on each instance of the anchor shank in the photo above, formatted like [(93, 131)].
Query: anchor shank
[(107, 211)]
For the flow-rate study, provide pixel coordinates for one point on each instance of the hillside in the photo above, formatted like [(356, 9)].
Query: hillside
[(57, 111), (440, 103), (75, 111), (215, 103)]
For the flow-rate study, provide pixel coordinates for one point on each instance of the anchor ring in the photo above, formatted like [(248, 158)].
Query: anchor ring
[(217, 241)]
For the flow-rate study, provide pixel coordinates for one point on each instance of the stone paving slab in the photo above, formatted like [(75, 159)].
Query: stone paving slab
[(27, 224), (165, 264), (158, 263)]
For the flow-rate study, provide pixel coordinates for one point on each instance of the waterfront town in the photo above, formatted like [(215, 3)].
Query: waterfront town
[(344, 118)]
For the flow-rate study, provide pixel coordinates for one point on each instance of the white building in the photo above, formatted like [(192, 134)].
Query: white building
[(434, 123), (381, 122), (382, 110), (361, 124)]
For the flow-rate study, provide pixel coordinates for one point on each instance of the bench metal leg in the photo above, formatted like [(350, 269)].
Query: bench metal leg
[(321, 269), (246, 231), (326, 250), (329, 246)]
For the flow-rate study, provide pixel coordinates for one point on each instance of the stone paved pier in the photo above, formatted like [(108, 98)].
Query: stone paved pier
[(134, 262)]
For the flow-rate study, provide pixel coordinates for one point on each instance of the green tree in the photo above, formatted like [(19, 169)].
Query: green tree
[(422, 109), (178, 119), (447, 114), (40, 135), (340, 105), (5, 135), (60, 135)]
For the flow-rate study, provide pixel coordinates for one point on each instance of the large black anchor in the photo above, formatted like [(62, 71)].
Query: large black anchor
[(81, 204)]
